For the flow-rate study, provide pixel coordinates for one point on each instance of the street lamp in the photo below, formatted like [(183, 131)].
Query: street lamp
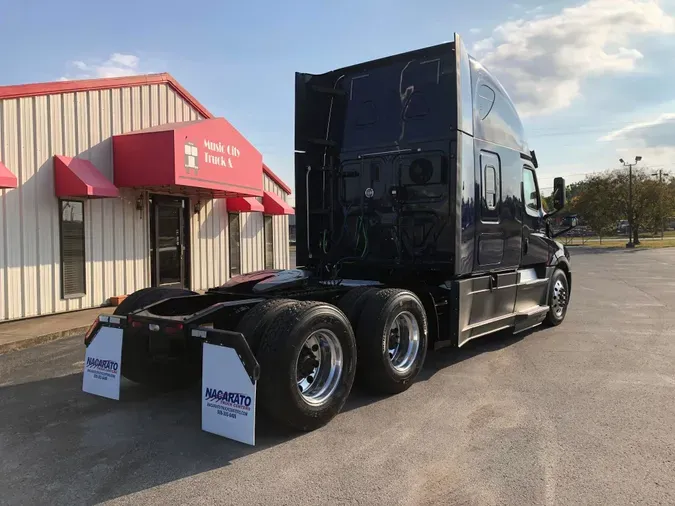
[(630, 243)]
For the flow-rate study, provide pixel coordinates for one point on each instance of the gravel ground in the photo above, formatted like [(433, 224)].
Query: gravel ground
[(579, 414)]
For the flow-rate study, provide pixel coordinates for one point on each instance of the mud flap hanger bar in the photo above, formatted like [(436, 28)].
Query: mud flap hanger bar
[(103, 320), (234, 340)]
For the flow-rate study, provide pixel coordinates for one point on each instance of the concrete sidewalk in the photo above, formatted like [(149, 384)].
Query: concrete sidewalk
[(17, 335)]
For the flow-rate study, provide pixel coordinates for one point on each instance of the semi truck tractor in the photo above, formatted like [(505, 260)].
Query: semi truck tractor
[(420, 225)]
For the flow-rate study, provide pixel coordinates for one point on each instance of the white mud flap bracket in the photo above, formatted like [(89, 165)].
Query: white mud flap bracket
[(229, 376), (103, 359)]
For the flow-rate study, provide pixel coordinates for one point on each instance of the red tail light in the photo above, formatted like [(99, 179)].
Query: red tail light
[(173, 329)]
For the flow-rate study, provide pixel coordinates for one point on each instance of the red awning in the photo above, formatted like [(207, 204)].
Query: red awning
[(274, 204), (76, 177), (244, 205), (207, 157), (7, 179)]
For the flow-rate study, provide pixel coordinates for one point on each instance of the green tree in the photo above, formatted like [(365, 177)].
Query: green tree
[(593, 202), (645, 205), (666, 202), (602, 199)]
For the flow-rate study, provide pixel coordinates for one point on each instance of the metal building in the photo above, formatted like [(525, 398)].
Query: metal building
[(112, 185)]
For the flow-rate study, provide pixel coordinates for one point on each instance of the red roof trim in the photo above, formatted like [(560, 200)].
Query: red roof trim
[(276, 179), (38, 89), (33, 90), (275, 205), (7, 179)]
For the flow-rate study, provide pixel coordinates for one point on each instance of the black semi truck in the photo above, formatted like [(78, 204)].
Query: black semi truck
[(420, 225)]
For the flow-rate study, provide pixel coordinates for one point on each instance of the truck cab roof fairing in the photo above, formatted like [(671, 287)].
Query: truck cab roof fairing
[(495, 118)]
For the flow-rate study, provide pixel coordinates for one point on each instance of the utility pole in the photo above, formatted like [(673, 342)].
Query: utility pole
[(630, 166), (660, 173)]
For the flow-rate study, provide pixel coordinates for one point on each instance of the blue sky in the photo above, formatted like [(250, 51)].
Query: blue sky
[(594, 78)]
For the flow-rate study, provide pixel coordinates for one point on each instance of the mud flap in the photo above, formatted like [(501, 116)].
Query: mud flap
[(103, 358), (229, 377)]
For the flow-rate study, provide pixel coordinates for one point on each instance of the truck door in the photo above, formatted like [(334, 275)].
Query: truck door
[(490, 231), (535, 248)]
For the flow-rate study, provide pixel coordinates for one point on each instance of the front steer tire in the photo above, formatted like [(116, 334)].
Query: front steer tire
[(375, 370), (280, 348), (558, 298), (137, 365)]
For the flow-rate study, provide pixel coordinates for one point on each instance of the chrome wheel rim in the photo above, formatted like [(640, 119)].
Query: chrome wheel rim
[(559, 301), (404, 342), (319, 367)]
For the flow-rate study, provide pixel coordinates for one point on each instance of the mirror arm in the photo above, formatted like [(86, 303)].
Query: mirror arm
[(548, 215)]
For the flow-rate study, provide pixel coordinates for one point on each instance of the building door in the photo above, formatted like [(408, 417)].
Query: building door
[(169, 240)]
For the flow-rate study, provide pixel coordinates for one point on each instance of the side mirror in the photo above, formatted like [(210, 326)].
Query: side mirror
[(559, 193)]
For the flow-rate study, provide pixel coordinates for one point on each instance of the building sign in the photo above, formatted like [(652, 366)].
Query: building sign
[(220, 154), (209, 155), (191, 158)]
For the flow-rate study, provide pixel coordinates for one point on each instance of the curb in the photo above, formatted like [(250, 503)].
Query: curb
[(22, 344)]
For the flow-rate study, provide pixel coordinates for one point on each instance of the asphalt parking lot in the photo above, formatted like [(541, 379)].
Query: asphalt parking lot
[(580, 414)]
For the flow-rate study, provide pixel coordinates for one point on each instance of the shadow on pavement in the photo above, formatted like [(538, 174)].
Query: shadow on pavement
[(443, 358), (62, 446)]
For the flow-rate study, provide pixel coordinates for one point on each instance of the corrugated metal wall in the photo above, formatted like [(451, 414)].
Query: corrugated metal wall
[(280, 224), (209, 264), (34, 129), (210, 244), (73, 124)]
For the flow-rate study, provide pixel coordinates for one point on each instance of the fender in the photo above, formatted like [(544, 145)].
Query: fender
[(561, 259)]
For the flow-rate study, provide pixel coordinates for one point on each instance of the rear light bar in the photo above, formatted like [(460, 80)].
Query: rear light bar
[(171, 328), (101, 320)]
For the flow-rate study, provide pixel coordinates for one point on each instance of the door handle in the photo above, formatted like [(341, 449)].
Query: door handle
[(494, 282)]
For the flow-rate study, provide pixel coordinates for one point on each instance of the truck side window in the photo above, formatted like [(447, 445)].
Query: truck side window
[(491, 194), (530, 191), (490, 187)]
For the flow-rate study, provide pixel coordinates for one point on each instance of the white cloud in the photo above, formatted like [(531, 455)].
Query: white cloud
[(660, 130), (653, 140), (116, 65), (474, 30), (544, 60)]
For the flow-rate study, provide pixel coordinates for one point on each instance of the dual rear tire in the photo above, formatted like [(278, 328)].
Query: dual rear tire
[(307, 357), (311, 353), (392, 335)]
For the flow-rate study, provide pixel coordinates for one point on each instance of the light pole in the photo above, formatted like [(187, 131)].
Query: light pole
[(630, 201), (660, 173)]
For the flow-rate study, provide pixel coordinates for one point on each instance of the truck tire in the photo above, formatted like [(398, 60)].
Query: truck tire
[(558, 298), (351, 303), (255, 323), (307, 363), (391, 341), (137, 365)]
